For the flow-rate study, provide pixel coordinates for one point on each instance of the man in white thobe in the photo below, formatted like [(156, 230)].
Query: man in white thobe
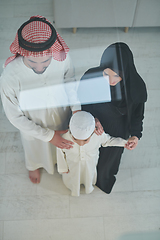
[(33, 93)]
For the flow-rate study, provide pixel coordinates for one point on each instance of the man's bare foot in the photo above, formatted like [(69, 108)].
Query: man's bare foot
[(34, 176)]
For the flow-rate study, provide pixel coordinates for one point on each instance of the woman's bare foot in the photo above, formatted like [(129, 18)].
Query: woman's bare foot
[(34, 176)]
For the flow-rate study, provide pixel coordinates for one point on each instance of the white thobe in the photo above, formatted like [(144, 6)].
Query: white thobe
[(28, 100), (81, 161)]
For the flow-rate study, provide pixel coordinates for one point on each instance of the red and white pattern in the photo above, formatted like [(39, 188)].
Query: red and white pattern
[(38, 32)]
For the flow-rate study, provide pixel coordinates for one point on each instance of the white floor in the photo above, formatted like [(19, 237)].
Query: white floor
[(47, 211)]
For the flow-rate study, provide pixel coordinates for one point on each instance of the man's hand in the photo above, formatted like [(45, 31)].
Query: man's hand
[(98, 129), (132, 143), (60, 142)]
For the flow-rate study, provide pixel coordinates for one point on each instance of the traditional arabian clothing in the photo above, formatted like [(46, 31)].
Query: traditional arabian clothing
[(82, 125), (38, 38), (123, 116), (37, 125), (81, 161)]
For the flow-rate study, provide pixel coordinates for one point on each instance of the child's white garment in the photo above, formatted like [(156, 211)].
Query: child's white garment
[(81, 161)]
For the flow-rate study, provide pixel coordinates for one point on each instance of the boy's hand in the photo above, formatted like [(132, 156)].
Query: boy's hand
[(98, 129), (132, 143), (60, 142)]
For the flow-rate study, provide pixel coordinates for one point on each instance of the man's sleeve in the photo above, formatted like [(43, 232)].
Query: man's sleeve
[(17, 117), (61, 161), (71, 85)]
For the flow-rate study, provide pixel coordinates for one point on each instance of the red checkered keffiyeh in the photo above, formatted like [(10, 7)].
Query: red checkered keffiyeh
[(38, 32)]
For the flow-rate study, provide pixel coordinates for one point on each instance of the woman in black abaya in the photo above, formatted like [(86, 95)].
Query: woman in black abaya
[(123, 115)]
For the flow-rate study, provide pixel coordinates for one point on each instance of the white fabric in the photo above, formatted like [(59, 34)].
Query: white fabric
[(37, 125), (82, 160), (82, 125)]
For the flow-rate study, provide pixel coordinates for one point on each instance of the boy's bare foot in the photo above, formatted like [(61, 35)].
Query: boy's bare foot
[(34, 176)]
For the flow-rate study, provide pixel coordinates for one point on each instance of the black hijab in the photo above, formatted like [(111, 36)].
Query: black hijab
[(119, 58)]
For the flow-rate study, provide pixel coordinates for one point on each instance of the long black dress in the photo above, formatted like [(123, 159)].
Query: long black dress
[(122, 117)]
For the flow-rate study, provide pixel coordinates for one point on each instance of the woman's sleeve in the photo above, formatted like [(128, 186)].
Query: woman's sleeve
[(137, 116), (108, 141)]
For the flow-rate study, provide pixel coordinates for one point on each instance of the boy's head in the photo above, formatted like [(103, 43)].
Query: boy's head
[(82, 125)]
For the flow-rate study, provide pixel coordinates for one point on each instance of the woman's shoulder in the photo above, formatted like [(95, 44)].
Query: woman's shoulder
[(92, 73)]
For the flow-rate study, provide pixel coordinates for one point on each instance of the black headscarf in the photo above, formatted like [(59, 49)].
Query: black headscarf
[(119, 58)]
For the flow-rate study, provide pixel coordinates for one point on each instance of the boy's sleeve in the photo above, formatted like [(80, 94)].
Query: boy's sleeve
[(112, 141), (137, 116), (62, 165)]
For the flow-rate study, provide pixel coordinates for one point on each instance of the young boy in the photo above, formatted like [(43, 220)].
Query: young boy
[(78, 164)]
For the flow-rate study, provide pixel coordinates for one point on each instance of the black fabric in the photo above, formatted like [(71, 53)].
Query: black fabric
[(119, 58), (120, 117), (36, 47)]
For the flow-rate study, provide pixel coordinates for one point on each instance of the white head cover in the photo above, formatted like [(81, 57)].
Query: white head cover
[(82, 125)]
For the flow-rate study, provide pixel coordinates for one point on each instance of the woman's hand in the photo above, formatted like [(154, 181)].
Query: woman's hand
[(132, 143), (98, 129)]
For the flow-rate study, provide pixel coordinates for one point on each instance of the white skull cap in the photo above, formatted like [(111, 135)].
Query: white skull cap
[(82, 125)]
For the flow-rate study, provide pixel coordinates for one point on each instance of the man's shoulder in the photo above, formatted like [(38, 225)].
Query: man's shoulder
[(10, 74), (13, 67)]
